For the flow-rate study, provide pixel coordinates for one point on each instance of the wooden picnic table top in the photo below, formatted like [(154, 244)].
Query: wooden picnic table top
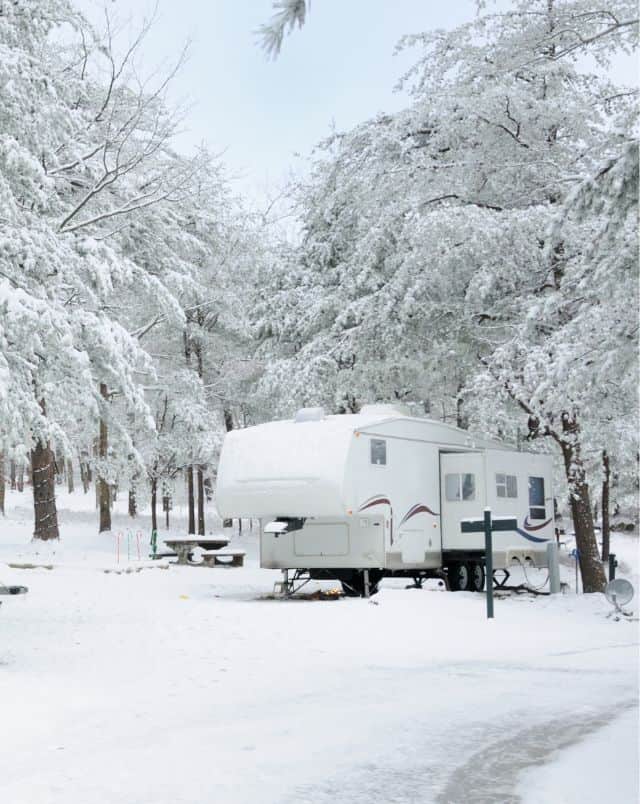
[(206, 543)]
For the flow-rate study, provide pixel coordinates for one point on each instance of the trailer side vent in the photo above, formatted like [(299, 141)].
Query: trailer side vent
[(309, 415)]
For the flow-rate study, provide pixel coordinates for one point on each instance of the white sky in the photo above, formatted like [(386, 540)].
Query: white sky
[(339, 68)]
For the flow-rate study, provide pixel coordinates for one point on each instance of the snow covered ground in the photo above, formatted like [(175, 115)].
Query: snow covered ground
[(187, 684)]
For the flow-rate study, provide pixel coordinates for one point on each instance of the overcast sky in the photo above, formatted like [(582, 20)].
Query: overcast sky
[(339, 68)]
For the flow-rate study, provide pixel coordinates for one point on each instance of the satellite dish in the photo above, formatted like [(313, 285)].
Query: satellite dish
[(618, 592)]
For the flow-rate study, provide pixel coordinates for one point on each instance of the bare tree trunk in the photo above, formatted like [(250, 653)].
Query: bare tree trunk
[(228, 426), (591, 569), (60, 467), (70, 484), (154, 503), (228, 420), (104, 492), (190, 501), (462, 420), (606, 525), (200, 478), (44, 490), (85, 472), (20, 475), (133, 502), (12, 474), (2, 482)]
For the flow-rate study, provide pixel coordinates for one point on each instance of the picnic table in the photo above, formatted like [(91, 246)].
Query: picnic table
[(183, 546), (223, 558)]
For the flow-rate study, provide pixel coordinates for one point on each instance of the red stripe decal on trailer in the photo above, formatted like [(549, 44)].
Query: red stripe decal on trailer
[(528, 526), (374, 501), (379, 500), (418, 508)]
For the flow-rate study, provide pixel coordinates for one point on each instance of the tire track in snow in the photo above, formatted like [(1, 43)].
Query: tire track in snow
[(490, 775), (486, 777)]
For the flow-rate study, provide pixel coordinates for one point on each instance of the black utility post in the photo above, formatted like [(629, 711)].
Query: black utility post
[(487, 526), (488, 560)]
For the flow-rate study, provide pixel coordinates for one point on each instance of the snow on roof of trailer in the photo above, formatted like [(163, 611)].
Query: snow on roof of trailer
[(379, 415)]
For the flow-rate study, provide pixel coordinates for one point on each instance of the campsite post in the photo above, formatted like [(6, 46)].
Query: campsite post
[(487, 525), (488, 557)]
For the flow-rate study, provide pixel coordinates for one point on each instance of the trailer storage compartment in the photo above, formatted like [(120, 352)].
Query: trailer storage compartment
[(322, 539)]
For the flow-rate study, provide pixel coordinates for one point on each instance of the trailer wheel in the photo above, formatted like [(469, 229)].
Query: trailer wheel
[(459, 576), (353, 583), (477, 576)]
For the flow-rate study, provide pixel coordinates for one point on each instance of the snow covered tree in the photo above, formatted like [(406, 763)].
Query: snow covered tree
[(430, 238), (288, 14), (90, 194)]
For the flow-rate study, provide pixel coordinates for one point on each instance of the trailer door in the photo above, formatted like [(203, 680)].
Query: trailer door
[(462, 495)]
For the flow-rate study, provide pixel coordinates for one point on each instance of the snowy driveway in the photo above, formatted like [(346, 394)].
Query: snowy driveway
[(183, 686)]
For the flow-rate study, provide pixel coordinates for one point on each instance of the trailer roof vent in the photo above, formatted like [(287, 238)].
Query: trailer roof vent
[(309, 415)]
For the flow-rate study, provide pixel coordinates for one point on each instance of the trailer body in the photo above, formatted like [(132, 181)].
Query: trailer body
[(382, 489)]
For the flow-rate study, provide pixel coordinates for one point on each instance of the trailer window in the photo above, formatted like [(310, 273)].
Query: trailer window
[(378, 451), (507, 486), (460, 487), (537, 508)]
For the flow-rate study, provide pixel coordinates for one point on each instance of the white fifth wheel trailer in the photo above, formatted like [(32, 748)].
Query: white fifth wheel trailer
[(357, 497)]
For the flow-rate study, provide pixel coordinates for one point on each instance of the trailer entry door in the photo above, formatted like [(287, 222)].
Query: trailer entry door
[(462, 495)]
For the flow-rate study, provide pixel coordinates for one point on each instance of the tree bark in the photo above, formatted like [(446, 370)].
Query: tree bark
[(606, 524), (70, 485), (20, 473), (44, 490), (228, 426), (462, 420), (104, 493), (228, 420), (133, 503), (60, 467), (85, 473), (190, 501), (12, 474), (154, 504), (591, 569), (200, 478), (2, 482)]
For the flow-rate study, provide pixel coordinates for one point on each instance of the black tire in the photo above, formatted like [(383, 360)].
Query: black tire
[(353, 583), (477, 576), (459, 573)]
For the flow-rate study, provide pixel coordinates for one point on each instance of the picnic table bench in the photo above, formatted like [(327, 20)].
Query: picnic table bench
[(223, 558), (183, 546)]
